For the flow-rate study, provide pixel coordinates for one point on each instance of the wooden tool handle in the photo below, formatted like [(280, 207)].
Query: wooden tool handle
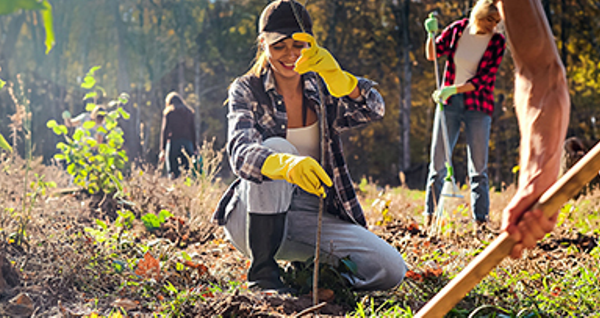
[(561, 191)]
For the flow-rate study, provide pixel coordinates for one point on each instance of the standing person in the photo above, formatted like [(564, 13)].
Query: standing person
[(178, 134), (97, 116), (474, 50), (271, 211), (542, 107)]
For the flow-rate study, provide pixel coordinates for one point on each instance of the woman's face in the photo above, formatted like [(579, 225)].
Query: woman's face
[(282, 56), (488, 23)]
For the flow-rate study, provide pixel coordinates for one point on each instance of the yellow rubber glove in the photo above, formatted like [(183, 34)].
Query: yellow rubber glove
[(318, 59), (305, 172)]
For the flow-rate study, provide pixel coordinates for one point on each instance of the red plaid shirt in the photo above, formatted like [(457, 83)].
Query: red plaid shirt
[(482, 98)]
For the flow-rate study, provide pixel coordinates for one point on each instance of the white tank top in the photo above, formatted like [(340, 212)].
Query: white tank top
[(306, 140), (469, 52)]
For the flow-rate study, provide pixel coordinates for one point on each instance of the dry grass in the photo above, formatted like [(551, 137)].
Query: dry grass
[(66, 269)]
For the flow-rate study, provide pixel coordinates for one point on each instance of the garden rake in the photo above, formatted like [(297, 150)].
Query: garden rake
[(449, 189)]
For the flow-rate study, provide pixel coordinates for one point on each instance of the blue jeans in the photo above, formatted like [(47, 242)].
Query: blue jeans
[(477, 128), (379, 265)]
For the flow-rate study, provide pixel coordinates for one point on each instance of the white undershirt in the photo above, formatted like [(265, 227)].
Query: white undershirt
[(469, 51), (306, 140)]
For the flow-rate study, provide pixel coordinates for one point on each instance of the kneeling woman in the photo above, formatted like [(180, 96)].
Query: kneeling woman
[(270, 212)]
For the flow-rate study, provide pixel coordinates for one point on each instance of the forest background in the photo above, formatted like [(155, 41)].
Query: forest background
[(148, 48)]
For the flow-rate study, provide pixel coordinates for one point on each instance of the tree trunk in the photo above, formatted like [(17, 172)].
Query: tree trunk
[(406, 89), (86, 36), (181, 22), (564, 32), (198, 100), (498, 128), (546, 5), (120, 29), (7, 46), (401, 13), (138, 114), (468, 7), (132, 139), (334, 8)]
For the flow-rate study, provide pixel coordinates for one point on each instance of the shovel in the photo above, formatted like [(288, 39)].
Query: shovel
[(561, 191)]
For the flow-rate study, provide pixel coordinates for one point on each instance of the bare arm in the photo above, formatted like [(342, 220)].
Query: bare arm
[(429, 49), (542, 107), (466, 87)]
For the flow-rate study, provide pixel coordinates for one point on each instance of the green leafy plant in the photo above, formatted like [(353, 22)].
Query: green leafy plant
[(97, 167), (4, 144), (8, 7), (183, 299), (21, 122), (153, 222), (38, 187), (125, 219), (336, 278)]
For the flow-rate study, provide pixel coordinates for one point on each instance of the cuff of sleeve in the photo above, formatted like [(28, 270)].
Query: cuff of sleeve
[(475, 83), (364, 86)]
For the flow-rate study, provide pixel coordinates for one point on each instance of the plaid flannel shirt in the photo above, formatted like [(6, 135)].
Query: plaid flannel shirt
[(482, 98), (257, 112)]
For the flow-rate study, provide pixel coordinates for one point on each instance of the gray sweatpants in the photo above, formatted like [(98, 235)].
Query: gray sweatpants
[(380, 266)]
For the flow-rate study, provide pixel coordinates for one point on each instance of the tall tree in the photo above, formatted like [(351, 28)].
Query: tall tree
[(401, 10)]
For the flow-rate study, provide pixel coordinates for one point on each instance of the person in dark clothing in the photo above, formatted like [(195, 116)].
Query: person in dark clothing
[(178, 134)]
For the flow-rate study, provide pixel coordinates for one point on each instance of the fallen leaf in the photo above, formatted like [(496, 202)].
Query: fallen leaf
[(433, 269), (191, 264), (20, 305), (414, 276), (22, 299), (203, 291), (413, 227), (148, 267), (126, 304), (202, 269)]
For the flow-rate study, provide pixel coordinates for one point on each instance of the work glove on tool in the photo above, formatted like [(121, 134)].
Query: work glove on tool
[(305, 172), (318, 59), (442, 94), (431, 25)]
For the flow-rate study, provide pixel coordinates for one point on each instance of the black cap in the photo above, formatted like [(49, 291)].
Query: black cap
[(278, 21)]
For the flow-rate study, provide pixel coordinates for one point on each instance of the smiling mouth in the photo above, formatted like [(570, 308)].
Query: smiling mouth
[(289, 66)]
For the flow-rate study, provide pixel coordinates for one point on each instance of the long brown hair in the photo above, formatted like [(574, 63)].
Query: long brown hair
[(261, 61), (173, 101)]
